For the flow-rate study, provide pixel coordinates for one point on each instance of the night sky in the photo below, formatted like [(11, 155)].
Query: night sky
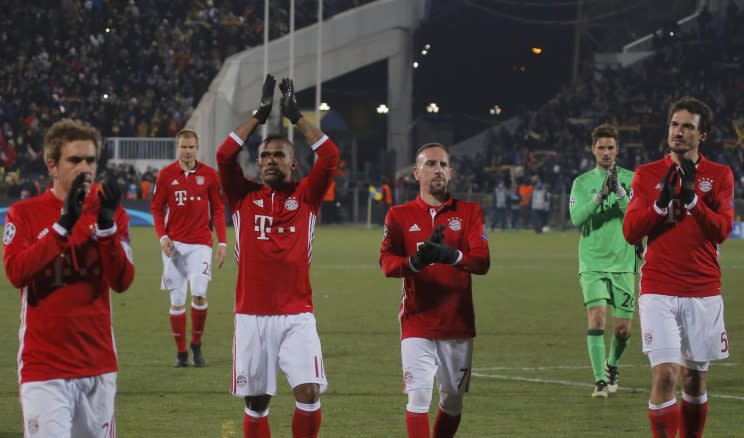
[(474, 63)]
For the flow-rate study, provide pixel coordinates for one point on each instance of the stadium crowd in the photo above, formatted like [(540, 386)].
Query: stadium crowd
[(132, 68), (551, 145), (151, 93)]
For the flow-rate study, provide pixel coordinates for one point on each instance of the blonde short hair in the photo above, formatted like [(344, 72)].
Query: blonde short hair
[(66, 131)]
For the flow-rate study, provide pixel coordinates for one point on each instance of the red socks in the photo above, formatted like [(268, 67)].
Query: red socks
[(256, 427), (664, 419), (418, 424), (306, 420), (445, 425), (178, 325), (198, 319), (693, 412)]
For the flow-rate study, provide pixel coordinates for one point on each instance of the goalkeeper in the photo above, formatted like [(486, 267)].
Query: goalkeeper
[(607, 263)]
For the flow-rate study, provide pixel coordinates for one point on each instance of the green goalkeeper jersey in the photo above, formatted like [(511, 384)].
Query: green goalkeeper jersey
[(602, 247)]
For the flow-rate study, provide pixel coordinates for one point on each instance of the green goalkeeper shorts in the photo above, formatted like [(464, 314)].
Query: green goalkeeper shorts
[(614, 288)]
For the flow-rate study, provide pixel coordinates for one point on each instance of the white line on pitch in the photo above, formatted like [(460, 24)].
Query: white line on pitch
[(580, 367), (557, 367), (580, 384)]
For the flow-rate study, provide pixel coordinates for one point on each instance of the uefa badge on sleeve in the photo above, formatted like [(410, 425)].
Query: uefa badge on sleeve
[(484, 234), (9, 233)]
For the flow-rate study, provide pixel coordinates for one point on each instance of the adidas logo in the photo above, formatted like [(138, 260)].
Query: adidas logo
[(258, 202), (414, 227), (175, 182)]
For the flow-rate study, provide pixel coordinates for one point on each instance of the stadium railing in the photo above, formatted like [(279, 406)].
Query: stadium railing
[(141, 152)]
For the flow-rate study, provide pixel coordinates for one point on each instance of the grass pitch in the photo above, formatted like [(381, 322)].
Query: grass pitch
[(531, 372)]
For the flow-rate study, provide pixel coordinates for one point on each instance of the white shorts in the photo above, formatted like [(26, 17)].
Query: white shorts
[(685, 330), (70, 408), (450, 360), (188, 262), (264, 344)]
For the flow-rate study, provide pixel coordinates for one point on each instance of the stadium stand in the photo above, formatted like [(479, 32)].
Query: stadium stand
[(552, 143), (80, 63)]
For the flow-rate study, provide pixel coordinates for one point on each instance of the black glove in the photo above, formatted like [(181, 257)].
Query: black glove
[(290, 109), (668, 187), (267, 100), (613, 182), (687, 192), (73, 207), (639, 250), (604, 192), (109, 195), (425, 254), (442, 253)]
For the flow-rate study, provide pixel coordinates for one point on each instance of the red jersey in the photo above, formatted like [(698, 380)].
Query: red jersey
[(682, 249), (65, 325), (274, 231), (184, 202), (438, 300)]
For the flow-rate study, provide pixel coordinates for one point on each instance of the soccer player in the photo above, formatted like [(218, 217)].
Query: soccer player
[(435, 243), (64, 263), (274, 228), (607, 263), (684, 204), (187, 198)]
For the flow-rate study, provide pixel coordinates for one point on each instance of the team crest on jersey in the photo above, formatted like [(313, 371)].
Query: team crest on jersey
[(455, 224), (9, 233), (648, 337), (706, 184), (200, 180), (384, 232), (571, 201), (291, 204), (630, 194), (484, 234)]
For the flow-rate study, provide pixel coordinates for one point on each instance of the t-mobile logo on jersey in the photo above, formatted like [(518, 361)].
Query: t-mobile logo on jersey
[(180, 196), (263, 225)]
